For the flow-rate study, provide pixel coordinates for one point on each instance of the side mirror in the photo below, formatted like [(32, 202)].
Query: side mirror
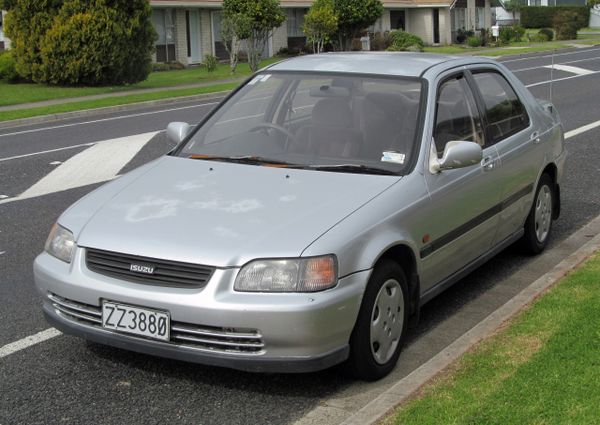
[(457, 154), (177, 131)]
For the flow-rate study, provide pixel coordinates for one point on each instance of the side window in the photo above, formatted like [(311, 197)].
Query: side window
[(457, 116), (505, 112)]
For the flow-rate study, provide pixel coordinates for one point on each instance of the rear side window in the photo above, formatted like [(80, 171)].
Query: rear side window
[(506, 113)]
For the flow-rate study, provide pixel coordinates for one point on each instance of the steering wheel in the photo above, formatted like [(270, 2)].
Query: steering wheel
[(270, 125)]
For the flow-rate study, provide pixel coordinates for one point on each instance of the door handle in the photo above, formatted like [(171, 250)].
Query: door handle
[(535, 137), (488, 163)]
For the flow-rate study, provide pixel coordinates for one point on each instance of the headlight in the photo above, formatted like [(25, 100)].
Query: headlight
[(60, 243), (288, 275)]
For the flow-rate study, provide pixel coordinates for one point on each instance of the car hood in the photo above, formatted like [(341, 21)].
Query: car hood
[(217, 213)]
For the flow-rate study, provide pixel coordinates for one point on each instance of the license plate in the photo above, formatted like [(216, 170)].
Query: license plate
[(134, 320)]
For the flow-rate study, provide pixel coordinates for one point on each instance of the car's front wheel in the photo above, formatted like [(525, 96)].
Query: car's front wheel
[(381, 324), (539, 221)]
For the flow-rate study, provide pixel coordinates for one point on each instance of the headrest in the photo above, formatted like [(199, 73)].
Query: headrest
[(333, 112)]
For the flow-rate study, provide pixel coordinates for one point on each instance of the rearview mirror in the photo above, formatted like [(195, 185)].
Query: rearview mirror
[(457, 154), (177, 131)]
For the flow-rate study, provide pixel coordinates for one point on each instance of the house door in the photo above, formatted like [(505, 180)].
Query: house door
[(193, 30)]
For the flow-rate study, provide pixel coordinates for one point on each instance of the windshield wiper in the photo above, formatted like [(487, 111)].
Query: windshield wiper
[(248, 159), (353, 168)]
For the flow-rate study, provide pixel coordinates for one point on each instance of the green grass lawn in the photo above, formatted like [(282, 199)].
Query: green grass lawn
[(543, 368), (111, 101), (12, 94)]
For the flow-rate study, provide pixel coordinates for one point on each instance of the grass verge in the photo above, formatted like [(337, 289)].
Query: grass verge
[(111, 101), (14, 94), (543, 368)]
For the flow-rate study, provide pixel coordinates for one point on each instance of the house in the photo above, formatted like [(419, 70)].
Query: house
[(4, 41), (189, 29)]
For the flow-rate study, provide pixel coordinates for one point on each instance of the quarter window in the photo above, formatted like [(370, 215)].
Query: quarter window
[(457, 117), (506, 114)]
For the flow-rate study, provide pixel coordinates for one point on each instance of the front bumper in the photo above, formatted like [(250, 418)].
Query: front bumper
[(296, 332)]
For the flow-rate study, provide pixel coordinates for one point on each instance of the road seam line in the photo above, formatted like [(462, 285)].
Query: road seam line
[(28, 341)]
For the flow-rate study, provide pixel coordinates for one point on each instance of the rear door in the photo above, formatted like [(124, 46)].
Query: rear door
[(518, 143)]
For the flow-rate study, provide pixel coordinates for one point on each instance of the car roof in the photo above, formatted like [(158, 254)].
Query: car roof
[(382, 63)]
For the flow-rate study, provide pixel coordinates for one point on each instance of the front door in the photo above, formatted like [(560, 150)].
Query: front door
[(194, 45), (461, 215)]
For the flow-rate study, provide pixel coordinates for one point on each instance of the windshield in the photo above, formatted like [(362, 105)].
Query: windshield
[(311, 120)]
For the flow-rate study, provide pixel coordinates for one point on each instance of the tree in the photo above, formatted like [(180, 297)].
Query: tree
[(75, 42), (264, 16), (513, 6), (353, 17), (235, 29), (320, 23)]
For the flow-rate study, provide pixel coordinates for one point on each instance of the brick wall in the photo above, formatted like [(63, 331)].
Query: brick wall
[(206, 38), (280, 37), (420, 22), (180, 37)]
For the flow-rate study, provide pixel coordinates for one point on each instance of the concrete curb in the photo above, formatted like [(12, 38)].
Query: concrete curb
[(403, 389), (110, 109)]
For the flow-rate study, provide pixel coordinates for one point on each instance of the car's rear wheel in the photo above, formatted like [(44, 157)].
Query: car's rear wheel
[(538, 225), (379, 331)]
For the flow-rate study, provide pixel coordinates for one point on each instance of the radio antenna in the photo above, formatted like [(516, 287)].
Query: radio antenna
[(552, 74)]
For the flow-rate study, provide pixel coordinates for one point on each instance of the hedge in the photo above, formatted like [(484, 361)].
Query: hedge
[(543, 16)]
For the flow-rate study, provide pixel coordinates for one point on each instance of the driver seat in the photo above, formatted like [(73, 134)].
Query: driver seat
[(330, 133)]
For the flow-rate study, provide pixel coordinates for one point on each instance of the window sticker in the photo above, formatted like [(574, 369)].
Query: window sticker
[(259, 78), (394, 157)]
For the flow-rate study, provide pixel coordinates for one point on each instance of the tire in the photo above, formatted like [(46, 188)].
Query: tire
[(538, 225), (378, 334)]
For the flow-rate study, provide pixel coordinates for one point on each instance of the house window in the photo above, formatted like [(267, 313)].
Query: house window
[(295, 21), (480, 17), (397, 20), (165, 28)]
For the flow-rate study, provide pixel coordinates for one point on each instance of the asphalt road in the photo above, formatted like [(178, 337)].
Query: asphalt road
[(66, 380)]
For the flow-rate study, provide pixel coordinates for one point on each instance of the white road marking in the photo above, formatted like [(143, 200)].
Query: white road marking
[(56, 163), (571, 69), (549, 56), (582, 129), (2, 252), (48, 151), (99, 163), (3, 196), (560, 79), (120, 117), (28, 341), (531, 68)]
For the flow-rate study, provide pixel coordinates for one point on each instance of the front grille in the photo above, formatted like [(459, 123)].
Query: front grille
[(201, 337), (166, 273)]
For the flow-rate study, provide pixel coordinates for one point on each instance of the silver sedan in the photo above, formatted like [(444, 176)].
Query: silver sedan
[(305, 220)]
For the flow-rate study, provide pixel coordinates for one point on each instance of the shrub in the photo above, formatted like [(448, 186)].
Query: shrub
[(548, 33), (210, 62), (380, 41), (8, 69), (474, 41), (543, 16), (566, 25), (462, 35), (538, 38), (353, 16), (510, 34), (405, 41), (82, 42)]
